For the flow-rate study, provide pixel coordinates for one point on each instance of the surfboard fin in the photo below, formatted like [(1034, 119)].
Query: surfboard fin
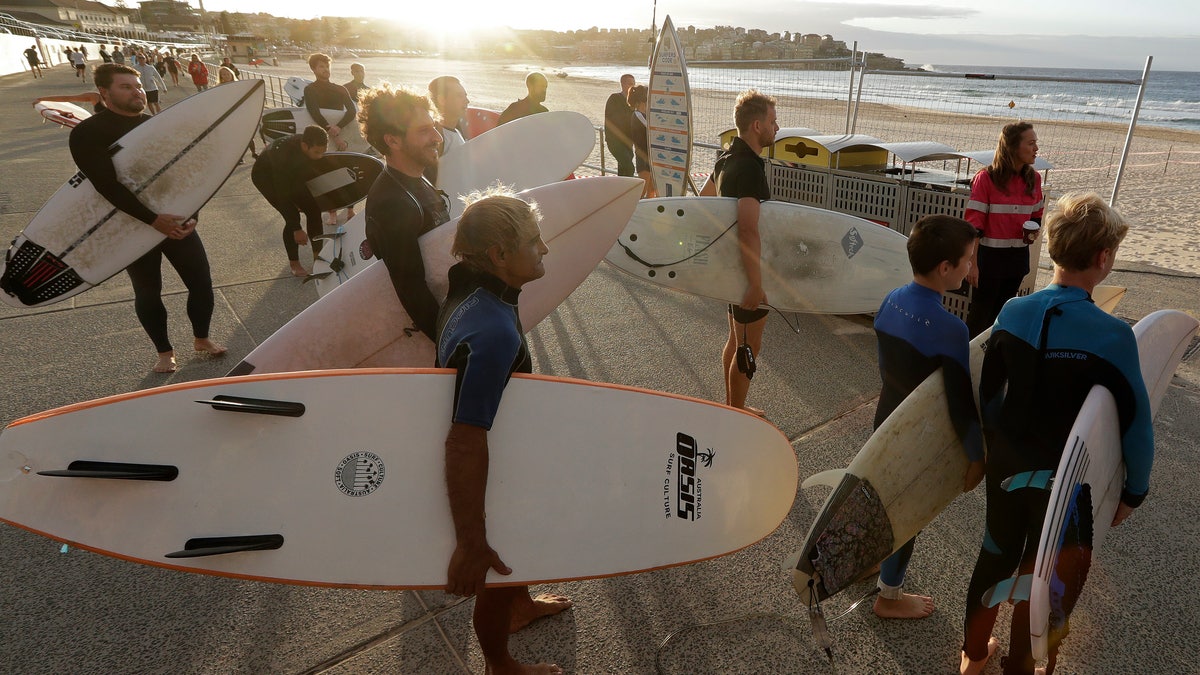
[(831, 478), (1014, 589), (206, 546), (260, 406), (115, 470), (314, 277), (1039, 480)]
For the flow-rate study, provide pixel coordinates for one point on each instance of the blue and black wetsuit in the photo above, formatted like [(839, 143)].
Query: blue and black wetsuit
[(479, 333), (916, 337), (1045, 353)]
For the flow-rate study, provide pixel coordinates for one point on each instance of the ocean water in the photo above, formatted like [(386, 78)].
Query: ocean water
[(1172, 98)]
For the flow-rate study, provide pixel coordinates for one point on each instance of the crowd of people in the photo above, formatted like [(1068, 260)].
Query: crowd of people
[(1027, 399)]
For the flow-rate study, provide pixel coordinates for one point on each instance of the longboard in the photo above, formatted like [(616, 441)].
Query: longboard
[(62, 113), (813, 260), (669, 123), (343, 179), (338, 478), (550, 146), (174, 162), (362, 323), (1087, 485), (908, 472)]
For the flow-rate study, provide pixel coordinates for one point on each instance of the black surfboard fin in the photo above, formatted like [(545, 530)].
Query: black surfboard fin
[(261, 406), (206, 546), (82, 468), (314, 277)]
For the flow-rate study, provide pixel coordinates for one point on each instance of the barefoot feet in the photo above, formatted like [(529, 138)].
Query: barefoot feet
[(531, 609), (206, 346), (298, 269), (166, 363), (968, 667), (907, 606)]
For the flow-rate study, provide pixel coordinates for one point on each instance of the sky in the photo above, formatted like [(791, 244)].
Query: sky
[(1047, 33)]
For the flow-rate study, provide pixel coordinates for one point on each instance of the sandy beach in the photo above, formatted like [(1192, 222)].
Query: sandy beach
[(1158, 191)]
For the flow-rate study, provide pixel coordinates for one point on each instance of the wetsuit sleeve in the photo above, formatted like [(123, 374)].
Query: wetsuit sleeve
[(95, 161), (1137, 429), (992, 378), (960, 400), (391, 231), (312, 103), (348, 106), (484, 364)]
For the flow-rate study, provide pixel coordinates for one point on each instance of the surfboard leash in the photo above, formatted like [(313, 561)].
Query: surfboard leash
[(629, 252)]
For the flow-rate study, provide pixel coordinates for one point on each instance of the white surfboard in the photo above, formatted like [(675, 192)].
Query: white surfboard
[(174, 162), (669, 123), (907, 473), (621, 480), (282, 122), (1092, 465), (362, 323), (813, 260), (549, 145), (62, 113), (294, 88)]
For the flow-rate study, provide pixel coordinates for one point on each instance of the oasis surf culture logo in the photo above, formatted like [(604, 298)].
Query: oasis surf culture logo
[(687, 492), (359, 474)]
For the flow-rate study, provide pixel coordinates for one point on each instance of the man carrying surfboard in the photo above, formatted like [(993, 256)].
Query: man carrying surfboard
[(280, 174), (740, 173), (121, 91), (1046, 352), (535, 85), (450, 98), (916, 337), (479, 333), (402, 204), (330, 96)]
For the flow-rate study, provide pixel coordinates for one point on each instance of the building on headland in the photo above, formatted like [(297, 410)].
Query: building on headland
[(171, 16), (81, 15)]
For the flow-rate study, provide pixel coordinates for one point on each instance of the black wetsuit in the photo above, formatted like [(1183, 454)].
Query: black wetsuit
[(400, 209), (329, 96), (281, 173), (617, 134), (739, 172), (519, 109), (91, 142)]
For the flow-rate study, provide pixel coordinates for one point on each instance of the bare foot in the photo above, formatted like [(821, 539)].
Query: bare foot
[(206, 346), (907, 606), (968, 667), (527, 611), (755, 411), (166, 363), (298, 269)]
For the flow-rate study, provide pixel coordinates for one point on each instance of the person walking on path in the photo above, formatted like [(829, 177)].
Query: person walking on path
[(35, 62), (152, 83), (199, 72)]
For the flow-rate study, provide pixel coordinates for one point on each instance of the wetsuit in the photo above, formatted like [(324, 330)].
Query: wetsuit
[(916, 337), (739, 172), (352, 88), (329, 96), (90, 144), (521, 108), (1003, 254), (617, 134), (400, 209), (281, 174), (1045, 353), (641, 141), (479, 334)]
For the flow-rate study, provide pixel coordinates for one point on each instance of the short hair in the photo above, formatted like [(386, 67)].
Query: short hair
[(1004, 161), (938, 238), (494, 217), (627, 76), (386, 109), (105, 72), (314, 59), (314, 136), (438, 86), (358, 66), (751, 106), (533, 77), (638, 95), (1079, 226)]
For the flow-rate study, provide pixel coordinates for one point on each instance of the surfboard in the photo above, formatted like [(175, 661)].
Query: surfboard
[(550, 146), (362, 323), (908, 472), (621, 480), (280, 122), (481, 120), (669, 122), (343, 179), (1091, 474), (174, 162), (813, 260), (61, 113), (294, 88)]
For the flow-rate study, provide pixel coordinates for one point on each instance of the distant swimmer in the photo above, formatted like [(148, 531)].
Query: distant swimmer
[(479, 334), (617, 133), (281, 174), (121, 90), (535, 84), (740, 173), (402, 204)]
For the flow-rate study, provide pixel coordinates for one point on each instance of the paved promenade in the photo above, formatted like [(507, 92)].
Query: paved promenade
[(78, 612)]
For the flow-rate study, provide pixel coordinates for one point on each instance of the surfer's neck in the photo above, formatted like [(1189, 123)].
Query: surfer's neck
[(753, 143)]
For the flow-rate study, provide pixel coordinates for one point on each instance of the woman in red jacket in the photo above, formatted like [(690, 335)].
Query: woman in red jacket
[(1004, 195), (199, 72)]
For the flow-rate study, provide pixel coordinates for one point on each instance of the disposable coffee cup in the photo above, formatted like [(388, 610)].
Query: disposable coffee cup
[(1030, 230)]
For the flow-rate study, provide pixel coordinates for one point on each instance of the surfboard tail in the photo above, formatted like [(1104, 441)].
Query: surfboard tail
[(33, 276)]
